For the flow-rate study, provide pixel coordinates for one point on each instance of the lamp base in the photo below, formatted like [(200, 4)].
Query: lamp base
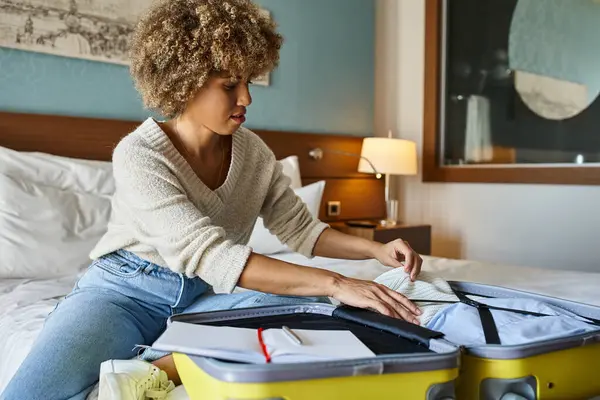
[(389, 222), (391, 217)]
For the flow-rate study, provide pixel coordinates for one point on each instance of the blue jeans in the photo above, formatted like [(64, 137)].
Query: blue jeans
[(120, 302)]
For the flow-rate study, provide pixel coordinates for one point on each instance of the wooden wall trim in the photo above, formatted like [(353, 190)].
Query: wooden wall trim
[(286, 144), (94, 139), (361, 195), (434, 172), (77, 137), (433, 11), (360, 198)]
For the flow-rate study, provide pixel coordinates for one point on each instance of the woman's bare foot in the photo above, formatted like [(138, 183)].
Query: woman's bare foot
[(167, 364)]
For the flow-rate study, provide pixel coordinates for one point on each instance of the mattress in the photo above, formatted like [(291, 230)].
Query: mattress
[(24, 304)]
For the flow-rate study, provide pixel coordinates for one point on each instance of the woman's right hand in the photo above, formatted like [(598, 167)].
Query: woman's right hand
[(368, 294), (269, 275)]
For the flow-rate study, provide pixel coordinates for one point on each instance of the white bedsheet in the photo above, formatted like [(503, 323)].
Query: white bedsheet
[(25, 303), (571, 285)]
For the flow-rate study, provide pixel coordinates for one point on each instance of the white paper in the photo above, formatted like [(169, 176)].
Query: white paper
[(316, 345)]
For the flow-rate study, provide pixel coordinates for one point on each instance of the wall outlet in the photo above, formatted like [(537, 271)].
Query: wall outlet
[(334, 208)]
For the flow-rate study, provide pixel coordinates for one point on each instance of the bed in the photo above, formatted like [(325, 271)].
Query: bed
[(24, 303), (55, 187)]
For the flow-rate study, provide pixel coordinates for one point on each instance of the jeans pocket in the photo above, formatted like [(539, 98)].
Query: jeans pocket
[(119, 268)]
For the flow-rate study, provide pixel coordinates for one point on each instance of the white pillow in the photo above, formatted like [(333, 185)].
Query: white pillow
[(53, 211), (47, 231), (264, 242), (60, 172), (291, 168)]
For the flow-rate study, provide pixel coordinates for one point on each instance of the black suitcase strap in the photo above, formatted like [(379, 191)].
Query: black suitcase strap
[(490, 331)]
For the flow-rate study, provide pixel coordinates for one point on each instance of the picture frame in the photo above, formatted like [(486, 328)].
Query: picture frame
[(265, 79), (96, 30)]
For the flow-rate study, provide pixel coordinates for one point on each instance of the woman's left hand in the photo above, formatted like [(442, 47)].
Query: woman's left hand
[(399, 254)]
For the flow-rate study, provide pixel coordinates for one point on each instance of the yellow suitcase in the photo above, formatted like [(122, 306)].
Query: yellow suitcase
[(563, 368), (411, 362)]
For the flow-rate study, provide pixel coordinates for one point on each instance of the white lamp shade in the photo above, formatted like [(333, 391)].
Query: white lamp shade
[(389, 156)]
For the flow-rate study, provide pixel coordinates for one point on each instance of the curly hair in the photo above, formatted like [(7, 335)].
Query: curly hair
[(177, 44)]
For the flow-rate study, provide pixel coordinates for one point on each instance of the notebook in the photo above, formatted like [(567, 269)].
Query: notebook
[(244, 345)]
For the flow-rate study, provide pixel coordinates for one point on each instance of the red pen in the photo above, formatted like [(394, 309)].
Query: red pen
[(263, 346)]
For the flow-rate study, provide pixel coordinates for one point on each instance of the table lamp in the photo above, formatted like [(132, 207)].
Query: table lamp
[(388, 156)]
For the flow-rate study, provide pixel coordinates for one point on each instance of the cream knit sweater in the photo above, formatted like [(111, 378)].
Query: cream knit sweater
[(162, 212)]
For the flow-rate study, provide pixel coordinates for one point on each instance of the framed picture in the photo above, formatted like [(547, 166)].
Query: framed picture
[(98, 30), (263, 80)]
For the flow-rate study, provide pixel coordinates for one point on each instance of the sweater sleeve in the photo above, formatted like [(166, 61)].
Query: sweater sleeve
[(287, 217), (163, 217)]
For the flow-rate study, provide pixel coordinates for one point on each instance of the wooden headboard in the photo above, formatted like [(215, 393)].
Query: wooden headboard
[(361, 195)]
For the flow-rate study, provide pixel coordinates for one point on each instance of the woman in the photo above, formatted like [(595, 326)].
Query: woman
[(188, 192)]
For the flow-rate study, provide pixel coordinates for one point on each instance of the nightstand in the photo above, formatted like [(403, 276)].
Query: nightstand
[(417, 236)]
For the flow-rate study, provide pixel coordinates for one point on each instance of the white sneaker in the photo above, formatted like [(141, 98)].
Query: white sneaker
[(132, 380)]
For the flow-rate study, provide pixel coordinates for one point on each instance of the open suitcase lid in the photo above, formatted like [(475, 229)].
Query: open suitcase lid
[(499, 351)]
